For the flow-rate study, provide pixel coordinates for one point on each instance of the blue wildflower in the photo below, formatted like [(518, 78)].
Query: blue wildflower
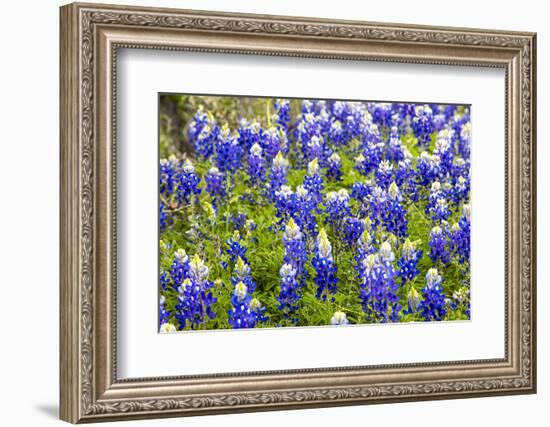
[(378, 292), (195, 299), (215, 184), (235, 248), (394, 214), (337, 205), (278, 174), (422, 124), (334, 167), (228, 151), (432, 307), (188, 185), (274, 142), (164, 315), (168, 175), (439, 251), (313, 182), (408, 263), (256, 164), (282, 108), (353, 228), (325, 269), (179, 269), (295, 250), (289, 294), (384, 174)]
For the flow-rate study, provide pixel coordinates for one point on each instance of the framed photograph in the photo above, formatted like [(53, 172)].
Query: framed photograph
[(267, 212)]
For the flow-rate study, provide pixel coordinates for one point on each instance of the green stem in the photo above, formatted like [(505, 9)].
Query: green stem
[(267, 112)]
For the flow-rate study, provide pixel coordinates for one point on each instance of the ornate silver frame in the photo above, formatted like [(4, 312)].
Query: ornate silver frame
[(90, 36)]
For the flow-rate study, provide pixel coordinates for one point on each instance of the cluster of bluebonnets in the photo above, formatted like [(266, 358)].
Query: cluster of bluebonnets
[(317, 212)]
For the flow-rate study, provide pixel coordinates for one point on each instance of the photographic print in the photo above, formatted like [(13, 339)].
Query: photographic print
[(309, 212)]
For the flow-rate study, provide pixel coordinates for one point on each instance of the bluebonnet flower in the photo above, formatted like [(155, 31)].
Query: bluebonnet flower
[(286, 203), (461, 190), (228, 151), (394, 214), (408, 263), (249, 134), (215, 183), (460, 236), (238, 219), (440, 211), (274, 142), (422, 124), (282, 108), (168, 175), (188, 185), (465, 140), (314, 148), (432, 307), (339, 318), (179, 269), (364, 249), (164, 217), (325, 269), (438, 245), (378, 291), (381, 113), (313, 182), (378, 204), (195, 299), (334, 166), (295, 250), (337, 205), (240, 315), (413, 301), (200, 120), (256, 164), (306, 128), (353, 228), (278, 173), (289, 294), (203, 134), (460, 168), (444, 149), (429, 168), (394, 150), (242, 274), (206, 140), (235, 248), (164, 315), (336, 133), (370, 158), (405, 177), (461, 300), (384, 174), (259, 310), (305, 205), (164, 280), (436, 192), (361, 191)]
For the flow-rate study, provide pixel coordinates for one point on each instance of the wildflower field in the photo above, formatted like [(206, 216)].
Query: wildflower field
[(290, 212)]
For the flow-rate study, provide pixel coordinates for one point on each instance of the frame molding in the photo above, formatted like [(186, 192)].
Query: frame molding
[(89, 38)]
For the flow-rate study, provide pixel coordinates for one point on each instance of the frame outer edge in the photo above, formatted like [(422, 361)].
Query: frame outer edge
[(533, 206), (69, 355), (78, 226)]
